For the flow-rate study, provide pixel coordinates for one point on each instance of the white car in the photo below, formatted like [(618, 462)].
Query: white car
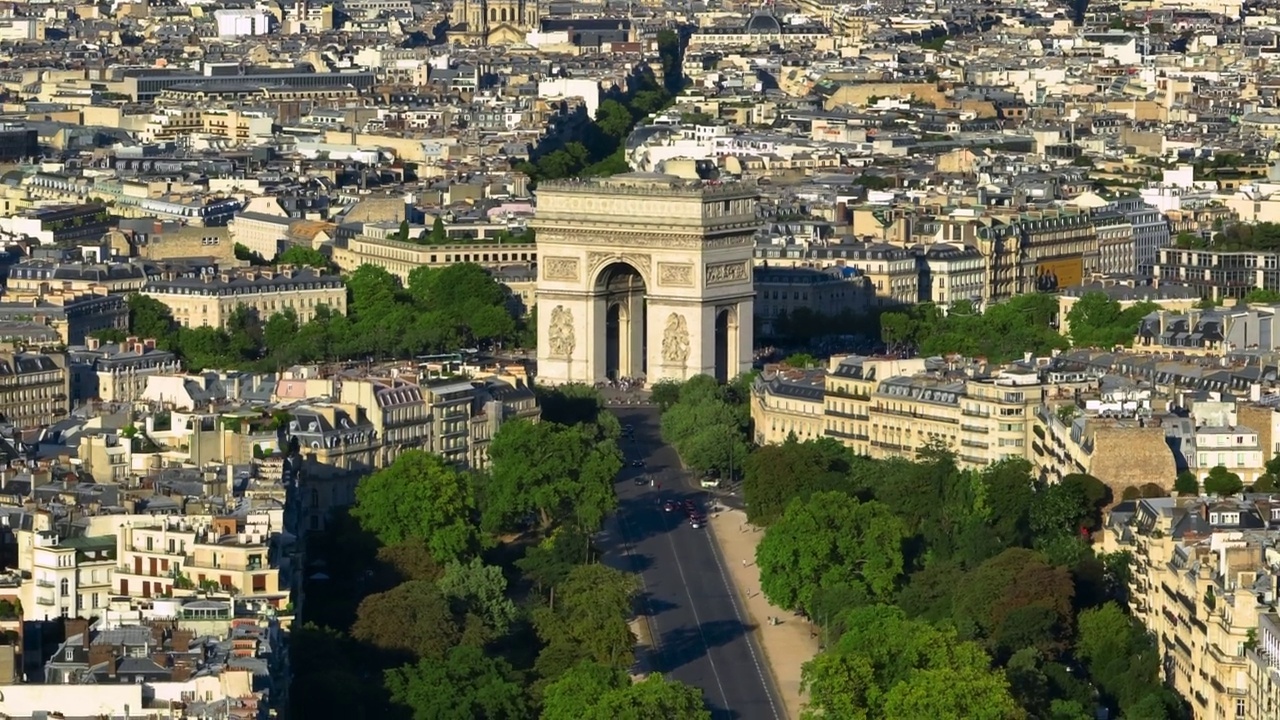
[(709, 483)]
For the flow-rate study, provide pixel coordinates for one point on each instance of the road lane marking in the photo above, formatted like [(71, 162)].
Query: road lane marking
[(655, 637), (706, 646), (766, 683)]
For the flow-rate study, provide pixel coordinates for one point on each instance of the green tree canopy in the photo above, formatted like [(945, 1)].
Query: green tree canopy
[(413, 618), (588, 620), (1098, 321), (563, 474), (479, 590), (465, 685), (831, 540), (774, 475), (419, 496), (885, 667), (303, 256), (1222, 482)]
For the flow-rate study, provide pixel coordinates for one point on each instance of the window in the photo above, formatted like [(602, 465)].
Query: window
[(1239, 707), (65, 587)]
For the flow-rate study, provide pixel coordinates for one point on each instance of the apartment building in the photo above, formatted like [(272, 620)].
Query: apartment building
[(1218, 274), (450, 402), (117, 372), (70, 577), (33, 388), (177, 554), (951, 273), (780, 291), (208, 300), (1040, 250), (41, 275), (397, 410), (892, 408), (786, 402), (1218, 331), (72, 315), (339, 435), (400, 258), (1204, 580)]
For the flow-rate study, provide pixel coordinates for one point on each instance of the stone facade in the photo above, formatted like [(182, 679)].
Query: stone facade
[(644, 275)]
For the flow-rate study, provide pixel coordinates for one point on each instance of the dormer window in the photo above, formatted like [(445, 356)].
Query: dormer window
[(1275, 513), (1214, 518)]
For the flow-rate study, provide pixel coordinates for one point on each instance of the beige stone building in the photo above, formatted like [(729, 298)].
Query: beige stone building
[(400, 258), (396, 409), (1204, 584), (787, 401), (643, 274), (33, 388), (209, 300), (181, 554)]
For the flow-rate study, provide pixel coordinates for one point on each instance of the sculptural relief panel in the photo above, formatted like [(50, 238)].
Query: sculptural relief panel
[(724, 273), (675, 274), (560, 268)]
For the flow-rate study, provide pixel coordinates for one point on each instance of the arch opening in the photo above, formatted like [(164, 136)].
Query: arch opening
[(621, 289), (725, 328)]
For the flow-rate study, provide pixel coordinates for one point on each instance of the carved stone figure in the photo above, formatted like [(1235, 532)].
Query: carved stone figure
[(675, 340), (560, 340)]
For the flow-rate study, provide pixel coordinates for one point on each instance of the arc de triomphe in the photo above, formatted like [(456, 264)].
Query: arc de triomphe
[(644, 275)]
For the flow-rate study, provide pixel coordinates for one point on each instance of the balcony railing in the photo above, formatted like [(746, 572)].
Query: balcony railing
[(44, 601), (44, 583)]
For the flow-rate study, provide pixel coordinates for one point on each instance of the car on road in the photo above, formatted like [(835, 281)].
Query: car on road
[(697, 521), (642, 480), (670, 506), (637, 463), (690, 507)]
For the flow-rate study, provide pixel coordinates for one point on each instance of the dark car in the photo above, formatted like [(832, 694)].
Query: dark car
[(697, 521), (642, 480), (670, 506), (637, 463)]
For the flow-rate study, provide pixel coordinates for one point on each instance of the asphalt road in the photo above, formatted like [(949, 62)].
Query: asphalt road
[(697, 621)]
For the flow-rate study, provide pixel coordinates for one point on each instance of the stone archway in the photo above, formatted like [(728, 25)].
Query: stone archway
[(621, 288), (635, 274)]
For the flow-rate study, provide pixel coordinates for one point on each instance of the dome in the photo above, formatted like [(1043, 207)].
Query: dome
[(764, 23)]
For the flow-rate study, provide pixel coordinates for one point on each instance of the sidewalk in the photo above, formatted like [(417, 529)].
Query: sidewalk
[(787, 645)]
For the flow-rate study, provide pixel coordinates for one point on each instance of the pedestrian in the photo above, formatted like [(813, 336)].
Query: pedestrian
[(744, 562)]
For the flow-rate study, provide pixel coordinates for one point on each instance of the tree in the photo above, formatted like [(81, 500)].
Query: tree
[(801, 360), (324, 678), (1186, 483), (563, 474), (479, 590), (1069, 506), (588, 620), (419, 496), (438, 235), (831, 540), (881, 651), (665, 393), (465, 685), (302, 256), (1266, 483), (413, 618), (1015, 600), (575, 694), (592, 691), (654, 698), (969, 692), (1096, 320), (774, 475), (614, 119), (1222, 482), (402, 234), (150, 318)]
